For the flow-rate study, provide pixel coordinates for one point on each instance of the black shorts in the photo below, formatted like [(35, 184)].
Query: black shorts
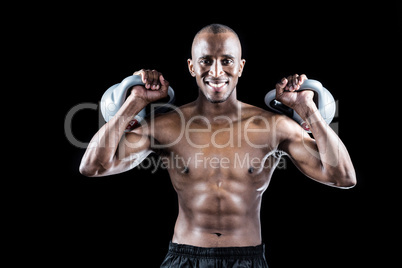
[(180, 255)]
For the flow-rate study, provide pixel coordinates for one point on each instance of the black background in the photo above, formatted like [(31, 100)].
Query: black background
[(128, 218)]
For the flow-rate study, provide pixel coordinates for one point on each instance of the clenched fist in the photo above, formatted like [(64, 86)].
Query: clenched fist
[(155, 88)]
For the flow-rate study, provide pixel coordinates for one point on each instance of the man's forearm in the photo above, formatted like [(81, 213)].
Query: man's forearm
[(333, 154)]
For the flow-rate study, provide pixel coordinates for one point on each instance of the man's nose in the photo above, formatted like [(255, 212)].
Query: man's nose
[(216, 69)]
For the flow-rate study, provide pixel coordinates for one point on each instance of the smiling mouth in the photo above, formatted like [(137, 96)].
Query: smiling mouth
[(217, 85)]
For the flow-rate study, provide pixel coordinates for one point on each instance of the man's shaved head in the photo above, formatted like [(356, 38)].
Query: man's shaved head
[(214, 28)]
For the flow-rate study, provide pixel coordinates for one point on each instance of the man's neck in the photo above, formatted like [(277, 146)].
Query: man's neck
[(228, 108)]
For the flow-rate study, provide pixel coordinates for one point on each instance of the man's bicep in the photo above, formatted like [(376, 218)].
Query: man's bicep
[(132, 150), (133, 147), (304, 153)]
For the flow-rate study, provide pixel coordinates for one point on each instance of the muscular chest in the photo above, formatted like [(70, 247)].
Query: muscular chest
[(229, 152), (227, 162)]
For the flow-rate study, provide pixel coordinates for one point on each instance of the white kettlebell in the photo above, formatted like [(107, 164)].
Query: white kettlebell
[(325, 103), (115, 96)]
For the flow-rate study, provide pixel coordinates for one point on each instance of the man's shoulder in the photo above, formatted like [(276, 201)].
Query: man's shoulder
[(277, 121), (250, 111), (175, 116)]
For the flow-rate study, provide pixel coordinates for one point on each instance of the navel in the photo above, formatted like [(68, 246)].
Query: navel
[(251, 170)]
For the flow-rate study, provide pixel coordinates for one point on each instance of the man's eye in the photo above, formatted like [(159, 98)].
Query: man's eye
[(227, 61), (205, 61)]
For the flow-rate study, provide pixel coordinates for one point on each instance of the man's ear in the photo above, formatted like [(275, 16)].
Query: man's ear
[(242, 63), (191, 67)]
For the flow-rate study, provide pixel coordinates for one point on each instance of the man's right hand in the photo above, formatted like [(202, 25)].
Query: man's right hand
[(156, 87)]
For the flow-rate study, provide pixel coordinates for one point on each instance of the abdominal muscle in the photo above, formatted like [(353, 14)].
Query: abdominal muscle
[(224, 214)]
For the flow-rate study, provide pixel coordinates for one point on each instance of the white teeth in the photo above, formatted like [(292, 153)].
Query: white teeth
[(217, 85)]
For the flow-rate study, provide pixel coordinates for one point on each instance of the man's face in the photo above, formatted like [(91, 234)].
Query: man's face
[(216, 64)]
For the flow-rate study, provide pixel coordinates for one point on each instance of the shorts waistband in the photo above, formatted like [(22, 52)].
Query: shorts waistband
[(218, 252)]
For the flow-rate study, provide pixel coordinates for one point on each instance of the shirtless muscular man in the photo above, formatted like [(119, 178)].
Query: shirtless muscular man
[(229, 150)]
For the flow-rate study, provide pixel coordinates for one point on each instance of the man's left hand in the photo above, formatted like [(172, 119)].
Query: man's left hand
[(286, 92)]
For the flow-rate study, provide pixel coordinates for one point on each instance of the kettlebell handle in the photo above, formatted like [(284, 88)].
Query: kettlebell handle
[(115, 96), (136, 80), (325, 103)]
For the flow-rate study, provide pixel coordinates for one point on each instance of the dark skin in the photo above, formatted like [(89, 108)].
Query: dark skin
[(220, 152)]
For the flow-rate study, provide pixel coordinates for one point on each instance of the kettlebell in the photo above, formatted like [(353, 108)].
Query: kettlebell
[(325, 103)]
